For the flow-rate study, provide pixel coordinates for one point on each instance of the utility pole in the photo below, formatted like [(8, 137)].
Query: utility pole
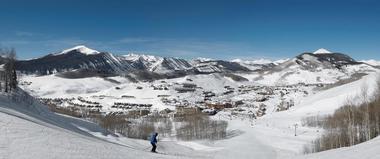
[(295, 129)]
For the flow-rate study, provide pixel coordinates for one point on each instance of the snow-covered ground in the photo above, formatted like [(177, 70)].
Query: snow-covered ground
[(31, 131), (106, 92), (53, 86), (277, 129), (367, 150)]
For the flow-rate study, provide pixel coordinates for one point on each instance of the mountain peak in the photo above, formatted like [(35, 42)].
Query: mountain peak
[(134, 57), (322, 51), (255, 61), (82, 49)]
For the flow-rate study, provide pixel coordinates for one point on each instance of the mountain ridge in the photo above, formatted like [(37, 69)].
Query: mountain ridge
[(143, 66)]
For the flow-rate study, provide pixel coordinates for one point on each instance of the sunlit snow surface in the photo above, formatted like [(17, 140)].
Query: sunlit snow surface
[(80, 48), (31, 131)]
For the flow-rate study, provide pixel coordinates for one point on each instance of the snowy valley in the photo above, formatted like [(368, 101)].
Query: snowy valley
[(255, 108)]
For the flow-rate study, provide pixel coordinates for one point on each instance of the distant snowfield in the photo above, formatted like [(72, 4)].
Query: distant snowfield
[(88, 87), (54, 86), (372, 62), (31, 131)]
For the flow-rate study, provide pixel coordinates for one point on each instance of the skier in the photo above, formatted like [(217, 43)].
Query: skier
[(153, 141)]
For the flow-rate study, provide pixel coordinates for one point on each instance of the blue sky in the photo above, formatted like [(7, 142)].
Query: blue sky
[(217, 29)]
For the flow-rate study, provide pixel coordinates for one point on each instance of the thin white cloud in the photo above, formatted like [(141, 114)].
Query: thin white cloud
[(14, 42), (24, 33), (136, 40), (184, 48)]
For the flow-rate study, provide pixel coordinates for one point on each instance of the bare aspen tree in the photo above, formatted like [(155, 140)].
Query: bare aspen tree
[(1, 74), (9, 75), (351, 121), (364, 97)]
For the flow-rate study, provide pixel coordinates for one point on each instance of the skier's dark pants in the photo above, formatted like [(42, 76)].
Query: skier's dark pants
[(153, 147)]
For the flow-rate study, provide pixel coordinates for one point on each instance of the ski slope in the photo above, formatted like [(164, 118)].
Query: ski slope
[(31, 131), (367, 150)]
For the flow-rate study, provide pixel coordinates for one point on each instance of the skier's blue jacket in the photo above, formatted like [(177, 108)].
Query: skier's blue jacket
[(153, 138)]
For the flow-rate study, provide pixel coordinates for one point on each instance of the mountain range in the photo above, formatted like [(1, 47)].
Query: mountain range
[(81, 61)]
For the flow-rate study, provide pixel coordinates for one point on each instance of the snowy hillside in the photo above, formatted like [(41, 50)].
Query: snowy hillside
[(367, 150), (277, 129), (31, 131)]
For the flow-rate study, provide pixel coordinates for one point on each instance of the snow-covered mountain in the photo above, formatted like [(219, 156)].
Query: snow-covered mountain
[(85, 62), (82, 57), (320, 66), (79, 57), (156, 64)]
